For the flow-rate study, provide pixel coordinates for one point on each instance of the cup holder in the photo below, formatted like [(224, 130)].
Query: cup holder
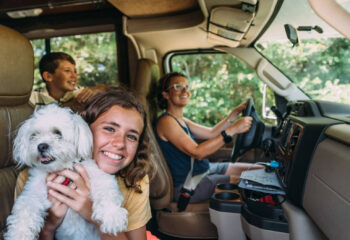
[(226, 196), (227, 186)]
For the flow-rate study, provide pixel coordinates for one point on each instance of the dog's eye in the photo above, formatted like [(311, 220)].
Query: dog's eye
[(32, 136), (58, 133)]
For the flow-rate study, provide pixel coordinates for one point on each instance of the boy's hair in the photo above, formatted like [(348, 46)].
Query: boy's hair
[(102, 102), (164, 86), (49, 62)]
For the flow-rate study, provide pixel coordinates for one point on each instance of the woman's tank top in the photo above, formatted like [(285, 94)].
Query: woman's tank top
[(178, 162)]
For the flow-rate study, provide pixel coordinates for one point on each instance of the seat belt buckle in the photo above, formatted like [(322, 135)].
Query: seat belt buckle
[(184, 199)]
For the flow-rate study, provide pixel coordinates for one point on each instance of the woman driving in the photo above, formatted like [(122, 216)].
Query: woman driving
[(176, 136)]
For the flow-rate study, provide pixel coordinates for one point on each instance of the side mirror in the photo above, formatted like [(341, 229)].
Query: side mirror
[(292, 34)]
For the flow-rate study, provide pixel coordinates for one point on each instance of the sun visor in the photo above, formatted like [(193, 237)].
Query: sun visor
[(230, 22)]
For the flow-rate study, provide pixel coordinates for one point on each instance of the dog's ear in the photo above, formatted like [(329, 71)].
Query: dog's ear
[(82, 137), (21, 144)]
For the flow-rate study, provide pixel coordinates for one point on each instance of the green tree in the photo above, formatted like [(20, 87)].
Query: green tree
[(95, 56), (320, 67), (219, 83)]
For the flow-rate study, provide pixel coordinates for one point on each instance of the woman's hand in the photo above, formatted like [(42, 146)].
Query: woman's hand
[(236, 111), (78, 198), (242, 125)]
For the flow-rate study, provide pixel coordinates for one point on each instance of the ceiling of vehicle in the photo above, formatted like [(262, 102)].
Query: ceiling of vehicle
[(130, 8), (30, 16), (152, 25), (152, 8)]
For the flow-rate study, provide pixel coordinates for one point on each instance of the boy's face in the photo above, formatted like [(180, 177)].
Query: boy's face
[(65, 77)]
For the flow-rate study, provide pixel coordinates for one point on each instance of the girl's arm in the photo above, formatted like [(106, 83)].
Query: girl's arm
[(80, 202), (56, 213)]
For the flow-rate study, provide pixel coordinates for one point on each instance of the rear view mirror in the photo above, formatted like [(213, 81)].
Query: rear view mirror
[(292, 34)]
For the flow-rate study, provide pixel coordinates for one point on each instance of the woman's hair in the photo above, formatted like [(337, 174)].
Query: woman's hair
[(164, 86), (101, 103)]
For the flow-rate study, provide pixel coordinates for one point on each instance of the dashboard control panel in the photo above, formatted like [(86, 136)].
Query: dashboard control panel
[(299, 134)]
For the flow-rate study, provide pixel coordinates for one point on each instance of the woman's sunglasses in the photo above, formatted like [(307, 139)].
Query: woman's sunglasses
[(179, 87)]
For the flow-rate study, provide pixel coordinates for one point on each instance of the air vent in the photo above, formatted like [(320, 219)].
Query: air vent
[(294, 139)]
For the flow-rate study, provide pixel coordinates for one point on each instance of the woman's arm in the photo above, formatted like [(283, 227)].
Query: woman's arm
[(169, 130), (203, 132)]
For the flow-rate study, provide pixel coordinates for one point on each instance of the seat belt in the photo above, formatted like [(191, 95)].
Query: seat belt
[(189, 187)]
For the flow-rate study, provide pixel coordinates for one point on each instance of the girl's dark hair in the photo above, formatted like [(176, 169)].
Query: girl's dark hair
[(164, 86), (101, 103)]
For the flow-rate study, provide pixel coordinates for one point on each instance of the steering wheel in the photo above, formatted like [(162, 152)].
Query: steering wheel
[(253, 137)]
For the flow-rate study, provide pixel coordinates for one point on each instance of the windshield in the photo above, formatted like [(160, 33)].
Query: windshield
[(319, 63)]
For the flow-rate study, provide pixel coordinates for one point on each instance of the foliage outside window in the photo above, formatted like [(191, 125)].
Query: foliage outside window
[(319, 62), (219, 83), (95, 56), (320, 67)]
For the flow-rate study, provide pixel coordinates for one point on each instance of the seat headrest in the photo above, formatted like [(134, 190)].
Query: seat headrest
[(147, 73), (17, 67)]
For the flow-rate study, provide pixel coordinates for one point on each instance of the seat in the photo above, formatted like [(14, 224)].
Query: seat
[(194, 222), (16, 81)]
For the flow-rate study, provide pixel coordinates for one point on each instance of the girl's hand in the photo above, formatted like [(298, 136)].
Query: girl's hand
[(57, 211), (78, 198), (236, 111)]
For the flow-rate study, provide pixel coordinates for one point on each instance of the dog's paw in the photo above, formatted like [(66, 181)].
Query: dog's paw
[(113, 220), (20, 235)]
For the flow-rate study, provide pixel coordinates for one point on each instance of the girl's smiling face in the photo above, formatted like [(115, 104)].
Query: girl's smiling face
[(116, 135)]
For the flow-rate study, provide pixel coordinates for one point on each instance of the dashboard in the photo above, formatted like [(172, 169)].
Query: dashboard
[(300, 132)]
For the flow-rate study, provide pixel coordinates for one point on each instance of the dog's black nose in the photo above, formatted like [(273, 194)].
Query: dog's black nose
[(42, 147)]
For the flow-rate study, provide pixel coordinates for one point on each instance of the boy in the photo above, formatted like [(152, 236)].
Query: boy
[(58, 71)]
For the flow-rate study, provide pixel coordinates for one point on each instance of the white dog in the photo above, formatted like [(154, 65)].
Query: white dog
[(54, 139)]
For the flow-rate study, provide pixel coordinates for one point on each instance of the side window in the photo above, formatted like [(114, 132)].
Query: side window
[(95, 56), (219, 83)]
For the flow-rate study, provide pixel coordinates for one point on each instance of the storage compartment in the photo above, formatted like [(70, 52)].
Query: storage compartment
[(262, 216), (225, 212)]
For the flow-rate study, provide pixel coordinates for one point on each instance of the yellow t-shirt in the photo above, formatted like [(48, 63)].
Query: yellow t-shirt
[(137, 204)]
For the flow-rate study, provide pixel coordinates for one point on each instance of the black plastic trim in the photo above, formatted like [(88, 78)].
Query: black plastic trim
[(264, 223), (225, 206)]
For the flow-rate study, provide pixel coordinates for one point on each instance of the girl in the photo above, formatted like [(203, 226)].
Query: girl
[(118, 123)]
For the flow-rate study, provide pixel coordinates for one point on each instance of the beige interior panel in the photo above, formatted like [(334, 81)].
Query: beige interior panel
[(256, 233), (340, 132), (326, 9), (141, 8), (327, 192), (300, 225), (188, 30), (265, 10)]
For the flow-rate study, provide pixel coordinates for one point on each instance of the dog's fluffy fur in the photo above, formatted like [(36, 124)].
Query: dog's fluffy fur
[(54, 139)]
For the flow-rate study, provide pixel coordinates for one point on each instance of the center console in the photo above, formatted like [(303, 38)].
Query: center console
[(248, 214)]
